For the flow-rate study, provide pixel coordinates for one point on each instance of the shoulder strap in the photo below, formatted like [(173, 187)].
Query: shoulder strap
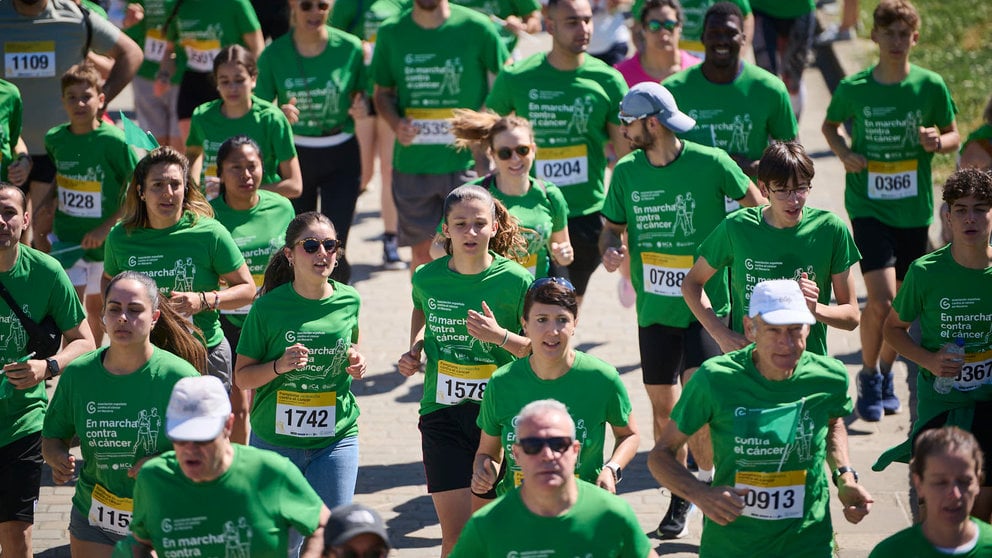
[(89, 28), (489, 181), (172, 16), (27, 322)]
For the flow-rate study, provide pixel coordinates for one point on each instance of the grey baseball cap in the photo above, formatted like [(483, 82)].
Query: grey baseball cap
[(652, 99)]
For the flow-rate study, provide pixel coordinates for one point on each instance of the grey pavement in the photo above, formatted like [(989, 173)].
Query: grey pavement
[(391, 477)]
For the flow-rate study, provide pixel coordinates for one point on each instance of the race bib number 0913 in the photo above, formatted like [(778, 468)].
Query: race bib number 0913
[(773, 495)]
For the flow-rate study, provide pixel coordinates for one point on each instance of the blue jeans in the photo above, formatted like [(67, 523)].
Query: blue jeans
[(332, 472)]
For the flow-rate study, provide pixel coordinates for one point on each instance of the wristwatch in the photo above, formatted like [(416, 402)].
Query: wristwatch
[(53, 368), (845, 469), (617, 471)]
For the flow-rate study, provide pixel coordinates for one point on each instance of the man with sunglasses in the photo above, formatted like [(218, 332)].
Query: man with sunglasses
[(667, 196), (552, 512), (737, 105), (569, 98), (210, 497), (776, 416)]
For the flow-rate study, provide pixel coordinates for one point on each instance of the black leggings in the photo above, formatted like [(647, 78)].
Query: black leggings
[(336, 174)]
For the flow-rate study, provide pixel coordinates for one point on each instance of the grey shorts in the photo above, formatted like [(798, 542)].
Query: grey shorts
[(219, 362), (420, 202), (80, 528), (156, 114)]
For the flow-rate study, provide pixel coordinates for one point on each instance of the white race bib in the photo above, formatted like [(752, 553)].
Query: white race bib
[(79, 198), (110, 512), (305, 415), (34, 59), (200, 54), (258, 278), (155, 45), (892, 180), (976, 371), (531, 263), (563, 166), (773, 495), (432, 126), (458, 382), (664, 273)]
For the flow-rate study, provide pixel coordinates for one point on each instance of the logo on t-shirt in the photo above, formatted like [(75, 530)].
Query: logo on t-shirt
[(13, 338), (768, 436)]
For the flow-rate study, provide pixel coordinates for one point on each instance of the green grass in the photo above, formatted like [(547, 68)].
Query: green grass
[(956, 42)]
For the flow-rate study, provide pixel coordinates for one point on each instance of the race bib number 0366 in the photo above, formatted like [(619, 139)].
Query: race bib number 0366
[(892, 180)]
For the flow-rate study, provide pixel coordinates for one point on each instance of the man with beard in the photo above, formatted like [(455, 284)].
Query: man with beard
[(737, 105), (41, 40), (571, 101), (652, 189), (429, 61)]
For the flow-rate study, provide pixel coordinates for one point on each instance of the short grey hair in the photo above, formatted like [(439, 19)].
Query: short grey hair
[(543, 407)]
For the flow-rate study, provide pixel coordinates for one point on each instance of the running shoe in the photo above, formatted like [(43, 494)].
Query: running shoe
[(869, 405), (833, 33), (391, 253), (675, 524), (890, 403)]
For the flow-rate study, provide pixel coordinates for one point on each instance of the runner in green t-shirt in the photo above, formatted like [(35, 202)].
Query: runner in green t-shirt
[(976, 151), (15, 163), (776, 416), (782, 240), (552, 512), (590, 388), (93, 165), (40, 288), (299, 352), (693, 15), (257, 220), (950, 292), (538, 206), (901, 115), (419, 80), (156, 84), (571, 100), (466, 307), (239, 112), (114, 399), (167, 231), (210, 497), (667, 196)]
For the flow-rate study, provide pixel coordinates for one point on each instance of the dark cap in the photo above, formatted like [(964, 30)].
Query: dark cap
[(351, 520)]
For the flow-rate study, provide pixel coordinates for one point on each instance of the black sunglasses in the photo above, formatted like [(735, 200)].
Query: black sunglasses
[(371, 553), (556, 280), (311, 245), (306, 6), (533, 446), (505, 153), (656, 25)]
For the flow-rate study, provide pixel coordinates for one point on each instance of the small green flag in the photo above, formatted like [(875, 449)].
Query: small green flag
[(136, 137)]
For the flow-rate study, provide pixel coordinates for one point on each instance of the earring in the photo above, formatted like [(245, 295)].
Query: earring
[(290, 262)]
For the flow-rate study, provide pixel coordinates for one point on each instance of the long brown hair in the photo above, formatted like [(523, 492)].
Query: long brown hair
[(470, 127), (508, 242), (279, 271), (134, 213)]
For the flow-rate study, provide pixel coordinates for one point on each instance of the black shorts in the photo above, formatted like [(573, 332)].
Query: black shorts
[(667, 352), (981, 428), (196, 88), (20, 478), (449, 438), (884, 246), (583, 233), (42, 170)]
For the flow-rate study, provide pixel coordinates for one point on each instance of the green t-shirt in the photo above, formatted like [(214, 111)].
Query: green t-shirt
[(247, 511), (312, 407), (459, 365), (92, 173), (984, 132), (539, 212), (435, 71), (40, 286), (599, 524), (669, 211), (784, 9), (591, 389), (11, 112), (770, 437), (897, 186), (259, 233), (189, 256), (912, 543), (569, 112), (693, 13), (365, 25), (149, 33), (744, 243), (738, 117), (503, 9), (119, 420), (265, 123), (202, 27), (323, 85)]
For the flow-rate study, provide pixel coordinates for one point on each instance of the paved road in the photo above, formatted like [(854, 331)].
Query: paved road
[(391, 477)]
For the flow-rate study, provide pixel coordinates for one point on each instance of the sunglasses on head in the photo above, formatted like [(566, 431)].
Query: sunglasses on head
[(505, 153), (371, 553), (655, 25), (306, 5), (533, 446), (556, 280), (311, 245)]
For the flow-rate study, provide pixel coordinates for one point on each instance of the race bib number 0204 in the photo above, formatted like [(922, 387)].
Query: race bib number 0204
[(563, 166)]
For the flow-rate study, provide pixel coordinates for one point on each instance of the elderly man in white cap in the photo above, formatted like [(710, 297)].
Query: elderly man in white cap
[(210, 497), (775, 413), (668, 195)]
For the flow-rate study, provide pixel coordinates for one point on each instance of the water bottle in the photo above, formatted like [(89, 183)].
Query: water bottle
[(944, 385)]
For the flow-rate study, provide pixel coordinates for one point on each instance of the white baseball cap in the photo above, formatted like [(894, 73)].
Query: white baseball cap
[(780, 302), (652, 99), (198, 409)]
